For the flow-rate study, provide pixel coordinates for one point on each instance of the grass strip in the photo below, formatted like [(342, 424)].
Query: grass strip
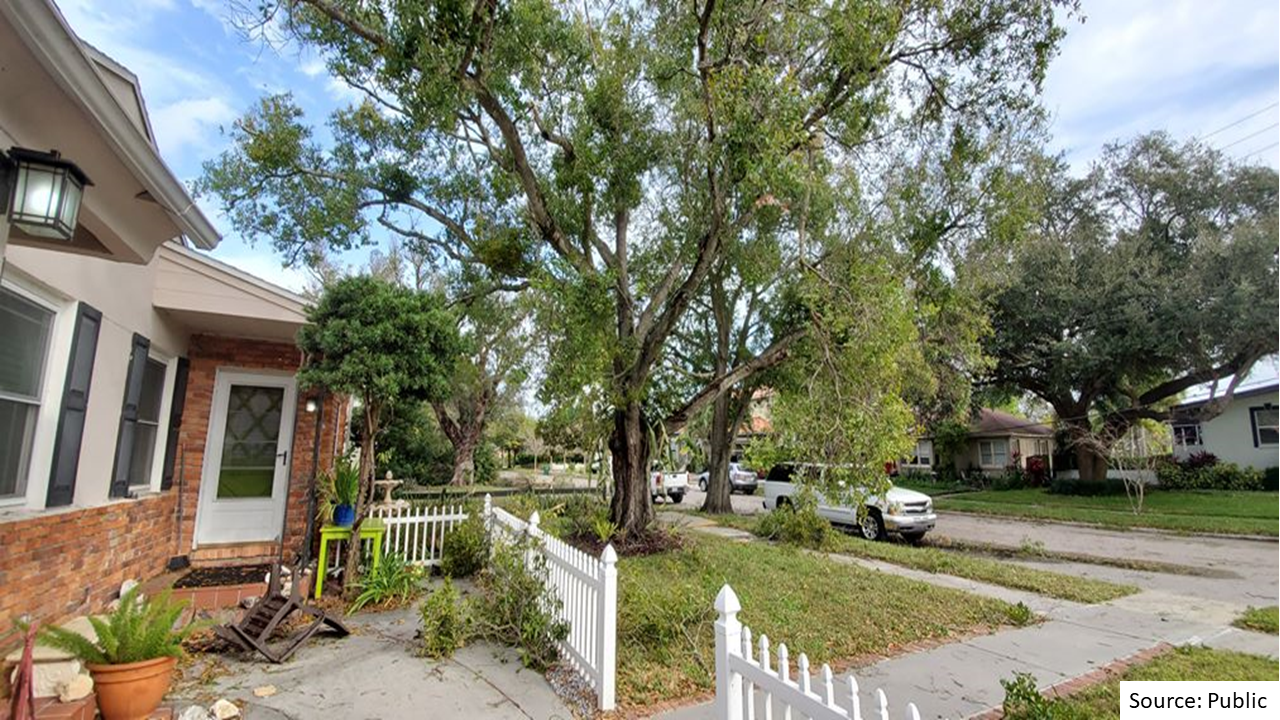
[(830, 611), (1035, 551), (961, 564), (1102, 702), (1263, 620)]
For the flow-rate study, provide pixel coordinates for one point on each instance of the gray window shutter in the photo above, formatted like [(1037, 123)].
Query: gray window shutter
[(75, 400), (129, 417), (175, 421)]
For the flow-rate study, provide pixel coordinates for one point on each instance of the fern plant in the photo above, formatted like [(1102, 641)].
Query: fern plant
[(394, 582), (138, 629)]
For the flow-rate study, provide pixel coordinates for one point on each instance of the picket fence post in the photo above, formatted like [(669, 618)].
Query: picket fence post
[(533, 532), (728, 644), (607, 617)]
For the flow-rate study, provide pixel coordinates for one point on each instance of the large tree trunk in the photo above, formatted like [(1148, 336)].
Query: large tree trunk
[(632, 507), (464, 456), (1090, 450), (719, 492)]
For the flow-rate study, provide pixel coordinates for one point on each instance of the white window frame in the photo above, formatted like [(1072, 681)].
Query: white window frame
[(1179, 440), (170, 364), (36, 484), (992, 443), (1257, 427), (918, 459)]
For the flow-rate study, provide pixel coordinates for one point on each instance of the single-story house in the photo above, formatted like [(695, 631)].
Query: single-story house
[(149, 411), (996, 441), (1245, 433)]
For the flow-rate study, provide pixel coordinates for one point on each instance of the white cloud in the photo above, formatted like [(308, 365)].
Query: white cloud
[(1185, 67), (189, 123)]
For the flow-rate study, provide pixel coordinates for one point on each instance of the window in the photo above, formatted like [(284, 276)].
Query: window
[(1042, 447), (923, 456), (1187, 435), (25, 327), (993, 453), (1266, 421), (148, 427)]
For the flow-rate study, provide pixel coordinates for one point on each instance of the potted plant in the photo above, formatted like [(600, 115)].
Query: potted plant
[(132, 659), (343, 482)]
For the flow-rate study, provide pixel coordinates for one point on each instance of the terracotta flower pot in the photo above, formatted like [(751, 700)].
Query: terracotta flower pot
[(133, 690)]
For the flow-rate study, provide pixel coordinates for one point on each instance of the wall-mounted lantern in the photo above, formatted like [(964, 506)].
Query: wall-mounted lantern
[(43, 192)]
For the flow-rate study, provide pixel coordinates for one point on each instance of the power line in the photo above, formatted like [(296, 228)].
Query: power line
[(1237, 122), (1250, 136), (1259, 150)]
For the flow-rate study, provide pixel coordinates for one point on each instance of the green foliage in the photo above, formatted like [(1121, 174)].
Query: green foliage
[(798, 523), (412, 447), (446, 621), (1092, 314), (1086, 488), (1021, 615), (517, 609), (391, 584), (466, 547), (486, 464), (344, 480), (378, 341), (950, 441), (138, 629), (1219, 476), (1022, 701), (1263, 620)]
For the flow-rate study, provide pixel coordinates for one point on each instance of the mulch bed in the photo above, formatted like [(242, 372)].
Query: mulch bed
[(651, 542), (219, 576)]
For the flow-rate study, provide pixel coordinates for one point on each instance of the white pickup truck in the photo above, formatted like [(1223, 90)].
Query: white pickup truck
[(905, 512), (669, 484)]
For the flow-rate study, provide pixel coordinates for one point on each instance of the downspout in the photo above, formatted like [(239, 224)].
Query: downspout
[(288, 489), (315, 469)]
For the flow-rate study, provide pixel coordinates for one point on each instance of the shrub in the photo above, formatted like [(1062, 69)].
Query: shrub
[(1037, 470), (1076, 486), (391, 584), (797, 523), (1022, 701), (1219, 476), (517, 609), (138, 629), (1020, 615), (466, 547), (1271, 479), (1013, 478), (1198, 460), (485, 464), (446, 622)]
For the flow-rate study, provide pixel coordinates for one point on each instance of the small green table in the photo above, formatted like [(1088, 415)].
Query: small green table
[(371, 529)]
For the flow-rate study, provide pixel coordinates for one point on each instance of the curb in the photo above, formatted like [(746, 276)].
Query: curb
[(1113, 528), (1070, 687)]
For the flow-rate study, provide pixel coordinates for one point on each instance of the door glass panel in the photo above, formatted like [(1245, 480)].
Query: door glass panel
[(249, 442)]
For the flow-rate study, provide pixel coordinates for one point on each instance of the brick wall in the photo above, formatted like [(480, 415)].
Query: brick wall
[(207, 353), (65, 563)]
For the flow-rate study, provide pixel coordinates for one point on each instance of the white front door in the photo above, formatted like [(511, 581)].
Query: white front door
[(246, 460)]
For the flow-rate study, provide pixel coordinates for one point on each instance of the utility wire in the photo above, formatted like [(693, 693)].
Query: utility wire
[(1250, 116), (1260, 150), (1250, 136)]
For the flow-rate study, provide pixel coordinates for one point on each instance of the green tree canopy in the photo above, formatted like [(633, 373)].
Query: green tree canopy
[(1153, 273), (614, 154)]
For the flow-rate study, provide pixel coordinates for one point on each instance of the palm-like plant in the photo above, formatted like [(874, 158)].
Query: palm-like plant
[(393, 582), (138, 629)]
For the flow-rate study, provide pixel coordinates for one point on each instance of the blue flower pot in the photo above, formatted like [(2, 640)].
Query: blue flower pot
[(344, 515)]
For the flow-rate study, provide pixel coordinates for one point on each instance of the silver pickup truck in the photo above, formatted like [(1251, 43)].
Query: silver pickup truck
[(904, 512)]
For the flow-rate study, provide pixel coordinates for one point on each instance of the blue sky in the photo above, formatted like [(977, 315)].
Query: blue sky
[(1191, 68)]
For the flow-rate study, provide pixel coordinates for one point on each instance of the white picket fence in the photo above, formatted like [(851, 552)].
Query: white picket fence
[(747, 676), (587, 590), (417, 533)]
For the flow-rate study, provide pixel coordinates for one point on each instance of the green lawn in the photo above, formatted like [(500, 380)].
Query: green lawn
[(965, 565), (830, 611), (930, 487), (1217, 511), (1102, 702), (1263, 620)]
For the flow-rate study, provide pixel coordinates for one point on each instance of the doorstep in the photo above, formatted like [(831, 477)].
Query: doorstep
[(50, 709)]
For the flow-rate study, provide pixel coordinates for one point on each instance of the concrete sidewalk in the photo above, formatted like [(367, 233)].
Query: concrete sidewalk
[(963, 678), (376, 673)]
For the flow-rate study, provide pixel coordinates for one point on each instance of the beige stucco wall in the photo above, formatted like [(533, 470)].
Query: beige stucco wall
[(1230, 436), (122, 292), (1024, 446)]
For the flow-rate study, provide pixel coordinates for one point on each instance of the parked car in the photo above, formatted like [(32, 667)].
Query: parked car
[(670, 484), (741, 480), (900, 511)]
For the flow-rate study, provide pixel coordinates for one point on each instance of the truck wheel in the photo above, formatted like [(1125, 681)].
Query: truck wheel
[(871, 527), (782, 502), (702, 484), (677, 498)]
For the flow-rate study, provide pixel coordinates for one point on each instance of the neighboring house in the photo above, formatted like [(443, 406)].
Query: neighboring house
[(149, 411), (996, 440), (1245, 433)]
